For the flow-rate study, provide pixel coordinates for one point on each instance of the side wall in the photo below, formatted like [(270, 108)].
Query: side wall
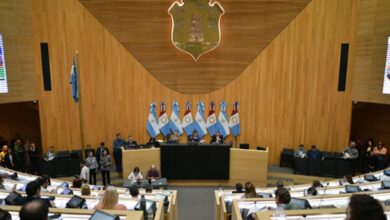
[(288, 95), (15, 26), (373, 30)]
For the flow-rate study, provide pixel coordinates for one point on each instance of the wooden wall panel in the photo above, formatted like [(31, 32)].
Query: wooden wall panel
[(20, 120), (373, 31), (288, 94), (15, 26), (371, 121), (144, 28)]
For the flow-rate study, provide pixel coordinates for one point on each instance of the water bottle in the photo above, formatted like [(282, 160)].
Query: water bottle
[(143, 206)]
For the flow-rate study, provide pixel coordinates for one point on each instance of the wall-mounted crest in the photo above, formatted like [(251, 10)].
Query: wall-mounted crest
[(196, 26)]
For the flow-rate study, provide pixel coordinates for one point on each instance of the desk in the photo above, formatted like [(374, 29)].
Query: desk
[(195, 162), (244, 165)]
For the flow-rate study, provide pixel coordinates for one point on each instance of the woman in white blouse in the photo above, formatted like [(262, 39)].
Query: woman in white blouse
[(135, 175)]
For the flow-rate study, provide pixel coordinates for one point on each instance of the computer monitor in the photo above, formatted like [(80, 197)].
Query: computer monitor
[(67, 191), (75, 202), (244, 146), (299, 203), (385, 185), (370, 178), (23, 188), (264, 195), (64, 184), (151, 206), (100, 215), (352, 189)]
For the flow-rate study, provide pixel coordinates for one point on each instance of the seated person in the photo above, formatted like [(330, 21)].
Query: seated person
[(134, 191), (351, 152), (153, 173), (85, 190), (238, 188), (217, 138), (282, 199), (174, 137), (314, 153), (250, 191), (135, 175), (51, 154), (77, 183), (33, 191), (194, 137), (365, 207), (348, 180), (300, 152), (279, 184), (110, 200), (130, 142), (45, 183), (35, 210), (312, 190)]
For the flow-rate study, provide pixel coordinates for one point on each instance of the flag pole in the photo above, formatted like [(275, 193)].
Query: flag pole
[(81, 118)]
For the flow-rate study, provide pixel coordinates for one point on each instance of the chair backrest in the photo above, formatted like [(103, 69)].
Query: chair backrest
[(63, 154), (288, 151)]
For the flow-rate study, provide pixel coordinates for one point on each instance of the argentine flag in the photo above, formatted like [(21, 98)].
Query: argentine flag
[(200, 125), (152, 126), (74, 82), (163, 121), (223, 120), (188, 122), (212, 122), (175, 123), (234, 121)]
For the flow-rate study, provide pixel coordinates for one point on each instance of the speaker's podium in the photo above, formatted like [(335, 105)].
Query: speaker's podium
[(203, 164)]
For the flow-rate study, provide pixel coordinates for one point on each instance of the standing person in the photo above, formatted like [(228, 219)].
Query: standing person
[(105, 167), (99, 152), (9, 159), (27, 159), (34, 158), (92, 165), (19, 154), (379, 154), (84, 174), (117, 151), (369, 163), (3, 153)]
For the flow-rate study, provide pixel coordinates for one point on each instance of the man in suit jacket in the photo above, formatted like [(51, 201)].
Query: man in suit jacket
[(33, 191), (217, 138), (9, 159)]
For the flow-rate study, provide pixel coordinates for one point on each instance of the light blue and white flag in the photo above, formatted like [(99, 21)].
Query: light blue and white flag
[(74, 81), (151, 125), (212, 122), (188, 122), (163, 121), (200, 125), (175, 123), (234, 121), (223, 120)]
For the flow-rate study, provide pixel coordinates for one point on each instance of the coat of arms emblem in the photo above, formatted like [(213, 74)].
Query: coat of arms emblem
[(196, 26)]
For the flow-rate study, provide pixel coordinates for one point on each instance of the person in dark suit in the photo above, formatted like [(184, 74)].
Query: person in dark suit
[(217, 138), (194, 137), (314, 153), (99, 153), (34, 158), (9, 159), (33, 191), (131, 143)]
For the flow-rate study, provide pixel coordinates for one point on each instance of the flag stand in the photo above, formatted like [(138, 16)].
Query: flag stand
[(236, 142), (81, 118)]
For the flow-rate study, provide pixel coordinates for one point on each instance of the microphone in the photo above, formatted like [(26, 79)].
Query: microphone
[(323, 194)]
